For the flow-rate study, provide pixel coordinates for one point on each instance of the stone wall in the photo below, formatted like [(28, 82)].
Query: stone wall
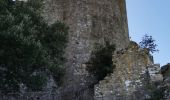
[(30, 96), (155, 73), (57, 94), (91, 23), (131, 78)]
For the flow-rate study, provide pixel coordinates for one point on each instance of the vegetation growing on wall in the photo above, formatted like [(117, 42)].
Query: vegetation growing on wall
[(149, 43), (100, 64), (29, 47)]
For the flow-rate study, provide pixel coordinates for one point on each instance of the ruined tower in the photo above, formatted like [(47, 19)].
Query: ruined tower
[(91, 23)]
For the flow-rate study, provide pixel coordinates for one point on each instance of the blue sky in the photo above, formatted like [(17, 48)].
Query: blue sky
[(151, 17)]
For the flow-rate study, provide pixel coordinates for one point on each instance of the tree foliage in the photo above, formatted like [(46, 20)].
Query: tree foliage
[(29, 46), (100, 64), (149, 43)]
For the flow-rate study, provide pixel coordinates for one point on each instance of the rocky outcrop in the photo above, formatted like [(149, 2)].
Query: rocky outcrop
[(132, 78), (165, 70)]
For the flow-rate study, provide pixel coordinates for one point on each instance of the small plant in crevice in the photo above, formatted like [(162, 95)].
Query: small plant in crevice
[(100, 64)]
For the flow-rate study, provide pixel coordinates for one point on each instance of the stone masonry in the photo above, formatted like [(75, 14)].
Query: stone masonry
[(131, 78), (91, 23)]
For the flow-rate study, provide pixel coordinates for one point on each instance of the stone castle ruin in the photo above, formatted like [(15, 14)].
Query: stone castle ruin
[(134, 73), (93, 23)]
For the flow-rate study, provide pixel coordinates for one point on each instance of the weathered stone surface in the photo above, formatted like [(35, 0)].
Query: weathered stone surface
[(165, 70), (92, 23), (155, 73), (30, 96), (131, 78)]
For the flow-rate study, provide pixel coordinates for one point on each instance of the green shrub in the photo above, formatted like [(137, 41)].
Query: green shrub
[(100, 64), (149, 43), (29, 45), (36, 82)]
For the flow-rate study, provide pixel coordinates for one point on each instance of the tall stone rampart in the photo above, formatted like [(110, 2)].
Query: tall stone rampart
[(91, 23)]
